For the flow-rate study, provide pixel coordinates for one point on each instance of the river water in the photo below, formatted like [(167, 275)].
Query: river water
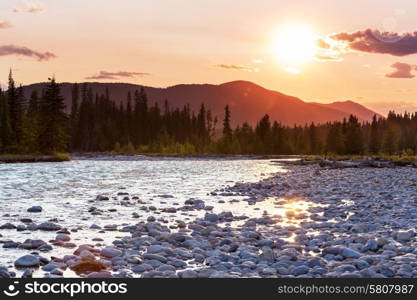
[(67, 190)]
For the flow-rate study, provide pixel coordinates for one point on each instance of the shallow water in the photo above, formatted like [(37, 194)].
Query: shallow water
[(67, 190)]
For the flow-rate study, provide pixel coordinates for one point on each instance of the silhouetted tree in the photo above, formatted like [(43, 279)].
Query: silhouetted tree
[(53, 120)]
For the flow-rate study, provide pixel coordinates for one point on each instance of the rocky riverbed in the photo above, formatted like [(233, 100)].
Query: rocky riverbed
[(311, 222)]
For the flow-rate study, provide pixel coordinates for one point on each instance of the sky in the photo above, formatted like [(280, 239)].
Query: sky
[(163, 43)]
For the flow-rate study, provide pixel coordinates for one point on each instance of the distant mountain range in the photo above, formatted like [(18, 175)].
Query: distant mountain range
[(247, 101)]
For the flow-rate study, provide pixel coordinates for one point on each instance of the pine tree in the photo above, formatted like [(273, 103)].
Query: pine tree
[(313, 139), (15, 103), (335, 140), (354, 138), (374, 142), (227, 130), (30, 136), (53, 126), (5, 128), (389, 142), (263, 132), (74, 115), (33, 104)]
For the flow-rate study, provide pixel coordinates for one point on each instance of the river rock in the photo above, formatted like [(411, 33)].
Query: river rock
[(110, 252), (188, 274), (404, 236), (371, 245), (49, 267), (102, 198), (142, 268), (350, 253), (211, 217), (8, 226), (62, 237), (10, 244), (27, 273), (32, 244), (49, 226), (4, 272), (102, 274), (35, 209), (27, 261), (300, 270), (157, 257)]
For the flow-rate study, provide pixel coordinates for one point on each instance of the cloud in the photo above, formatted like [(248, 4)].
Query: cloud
[(238, 68), (402, 70), (328, 49), (31, 7), (321, 43), (5, 25), (117, 75), (233, 67), (374, 41), (24, 51)]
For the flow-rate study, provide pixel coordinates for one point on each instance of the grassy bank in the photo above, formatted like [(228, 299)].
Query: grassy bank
[(32, 158)]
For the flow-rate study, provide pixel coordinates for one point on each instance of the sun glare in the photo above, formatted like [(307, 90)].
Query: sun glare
[(293, 46)]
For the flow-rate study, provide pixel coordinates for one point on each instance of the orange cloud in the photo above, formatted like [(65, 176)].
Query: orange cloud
[(374, 41), (25, 51), (116, 75), (402, 70), (237, 68)]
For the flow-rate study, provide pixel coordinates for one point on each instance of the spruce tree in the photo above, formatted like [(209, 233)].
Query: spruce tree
[(5, 128), (313, 139), (53, 126), (374, 142), (30, 136), (354, 137), (227, 129), (334, 139), (389, 142), (15, 103)]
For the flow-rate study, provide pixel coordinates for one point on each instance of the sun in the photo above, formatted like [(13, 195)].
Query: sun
[(293, 46)]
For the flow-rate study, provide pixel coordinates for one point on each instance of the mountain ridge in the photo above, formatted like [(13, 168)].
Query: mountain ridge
[(248, 101)]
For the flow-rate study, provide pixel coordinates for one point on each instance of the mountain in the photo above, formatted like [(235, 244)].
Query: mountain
[(247, 101), (351, 107)]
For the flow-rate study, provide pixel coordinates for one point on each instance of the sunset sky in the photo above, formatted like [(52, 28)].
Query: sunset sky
[(318, 50)]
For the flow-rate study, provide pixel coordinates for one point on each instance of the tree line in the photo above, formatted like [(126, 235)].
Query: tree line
[(96, 123)]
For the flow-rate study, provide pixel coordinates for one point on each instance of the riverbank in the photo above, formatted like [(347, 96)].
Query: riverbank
[(27, 158), (313, 222), (356, 161), (113, 155)]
